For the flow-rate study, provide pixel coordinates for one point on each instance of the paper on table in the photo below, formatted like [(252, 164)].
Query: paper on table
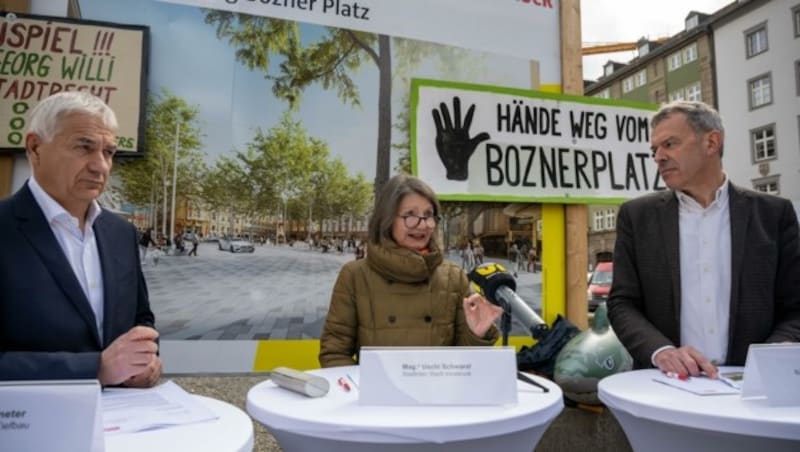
[(128, 410), (701, 385)]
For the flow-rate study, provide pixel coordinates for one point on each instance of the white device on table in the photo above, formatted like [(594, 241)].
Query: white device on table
[(300, 382)]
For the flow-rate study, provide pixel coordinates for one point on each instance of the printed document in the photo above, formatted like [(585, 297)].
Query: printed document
[(127, 410), (702, 385)]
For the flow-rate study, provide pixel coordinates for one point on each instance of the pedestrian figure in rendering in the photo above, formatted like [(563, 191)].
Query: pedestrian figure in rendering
[(144, 242), (195, 242), (478, 251), (514, 257)]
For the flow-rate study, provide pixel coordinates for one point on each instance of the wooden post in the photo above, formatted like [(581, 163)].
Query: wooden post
[(7, 161), (576, 215)]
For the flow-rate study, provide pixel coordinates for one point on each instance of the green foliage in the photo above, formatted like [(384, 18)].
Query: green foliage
[(285, 165), (329, 61), (167, 116)]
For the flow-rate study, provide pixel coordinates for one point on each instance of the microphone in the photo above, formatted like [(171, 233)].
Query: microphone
[(496, 284), (299, 382)]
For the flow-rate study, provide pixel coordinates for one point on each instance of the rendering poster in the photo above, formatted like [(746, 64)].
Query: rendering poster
[(270, 130)]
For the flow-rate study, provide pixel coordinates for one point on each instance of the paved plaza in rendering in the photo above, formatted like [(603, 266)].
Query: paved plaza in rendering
[(277, 292)]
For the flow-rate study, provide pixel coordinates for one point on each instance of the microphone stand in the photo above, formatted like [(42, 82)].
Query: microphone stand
[(505, 322), (505, 328)]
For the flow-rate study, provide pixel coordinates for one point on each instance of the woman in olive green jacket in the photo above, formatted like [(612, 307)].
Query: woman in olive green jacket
[(403, 293)]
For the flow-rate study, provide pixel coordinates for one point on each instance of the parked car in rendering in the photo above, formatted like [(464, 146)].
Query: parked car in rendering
[(600, 284), (236, 245)]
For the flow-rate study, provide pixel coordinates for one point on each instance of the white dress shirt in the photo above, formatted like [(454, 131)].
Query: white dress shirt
[(705, 250), (705, 260), (79, 247)]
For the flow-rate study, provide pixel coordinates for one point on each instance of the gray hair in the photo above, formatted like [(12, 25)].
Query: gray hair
[(45, 115), (382, 220), (701, 117)]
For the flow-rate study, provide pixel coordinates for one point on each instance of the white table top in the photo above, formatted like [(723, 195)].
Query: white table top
[(232, 431), (637, 394), (339, 416)]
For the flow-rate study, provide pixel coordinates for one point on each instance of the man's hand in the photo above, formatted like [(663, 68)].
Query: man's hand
[(149, 376), (480, 314), (453, 143), (129, 355), (685, 361)]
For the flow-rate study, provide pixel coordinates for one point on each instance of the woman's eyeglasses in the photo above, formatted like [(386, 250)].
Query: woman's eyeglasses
[(412, 221)]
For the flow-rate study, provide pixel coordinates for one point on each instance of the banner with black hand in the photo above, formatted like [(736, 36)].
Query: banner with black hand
[(489, 143), (453, 143)]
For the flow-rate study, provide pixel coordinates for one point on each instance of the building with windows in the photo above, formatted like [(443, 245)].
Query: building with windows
[(602, 233), (757, 48), (679, 68)]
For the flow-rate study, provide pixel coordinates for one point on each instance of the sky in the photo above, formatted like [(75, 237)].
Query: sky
[(608, 21)]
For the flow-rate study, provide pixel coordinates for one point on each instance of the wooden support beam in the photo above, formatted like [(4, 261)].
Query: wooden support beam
[(576, 216)]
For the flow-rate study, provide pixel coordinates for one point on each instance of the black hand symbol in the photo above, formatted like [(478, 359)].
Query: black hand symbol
[(453, 143)]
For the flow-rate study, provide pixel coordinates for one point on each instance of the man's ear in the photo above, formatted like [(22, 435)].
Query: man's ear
[(32, 147), (714, 141)]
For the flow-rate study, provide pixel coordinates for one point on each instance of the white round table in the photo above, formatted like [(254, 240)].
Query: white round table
[(232, 431), (657, 417), (337, 422)]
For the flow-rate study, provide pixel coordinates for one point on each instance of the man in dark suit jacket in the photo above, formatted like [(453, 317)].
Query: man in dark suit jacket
[(706, 268), (73, 300)]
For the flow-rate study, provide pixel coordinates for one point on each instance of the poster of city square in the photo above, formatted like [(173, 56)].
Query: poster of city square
[(264, 139)]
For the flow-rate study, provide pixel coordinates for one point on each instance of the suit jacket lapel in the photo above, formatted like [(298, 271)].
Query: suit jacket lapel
[(668, 213), (739, 205), (109, 263), (33, 225)]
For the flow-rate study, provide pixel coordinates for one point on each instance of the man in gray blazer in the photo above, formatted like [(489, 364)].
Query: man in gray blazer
[(73, 300), (705, 269)]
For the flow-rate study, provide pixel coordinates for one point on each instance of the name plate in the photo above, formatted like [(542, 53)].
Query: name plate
[(773, 371), (51, 415), (402, 376)]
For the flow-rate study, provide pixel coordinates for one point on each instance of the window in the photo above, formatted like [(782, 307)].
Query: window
[(640, 78), (767, 185), (605, 94), (796, 20), (694, 93), (756, 40), (760, 91), (762, 141), (611, 219), (674, 61), (598, 220), (627, 85), (692, 21), (797, 75), (689, 53), (676, 95)]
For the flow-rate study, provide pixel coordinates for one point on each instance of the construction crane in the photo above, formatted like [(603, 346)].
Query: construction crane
[(611, 47)]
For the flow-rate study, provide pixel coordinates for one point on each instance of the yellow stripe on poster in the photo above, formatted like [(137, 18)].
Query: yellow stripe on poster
[(554, 281), (302, 354)]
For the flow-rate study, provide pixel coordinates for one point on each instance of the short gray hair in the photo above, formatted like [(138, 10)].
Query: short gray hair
[(45, 115), (701, 117), (382, 220)]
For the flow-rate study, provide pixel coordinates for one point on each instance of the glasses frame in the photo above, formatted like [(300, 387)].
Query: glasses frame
[(427, 219)]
